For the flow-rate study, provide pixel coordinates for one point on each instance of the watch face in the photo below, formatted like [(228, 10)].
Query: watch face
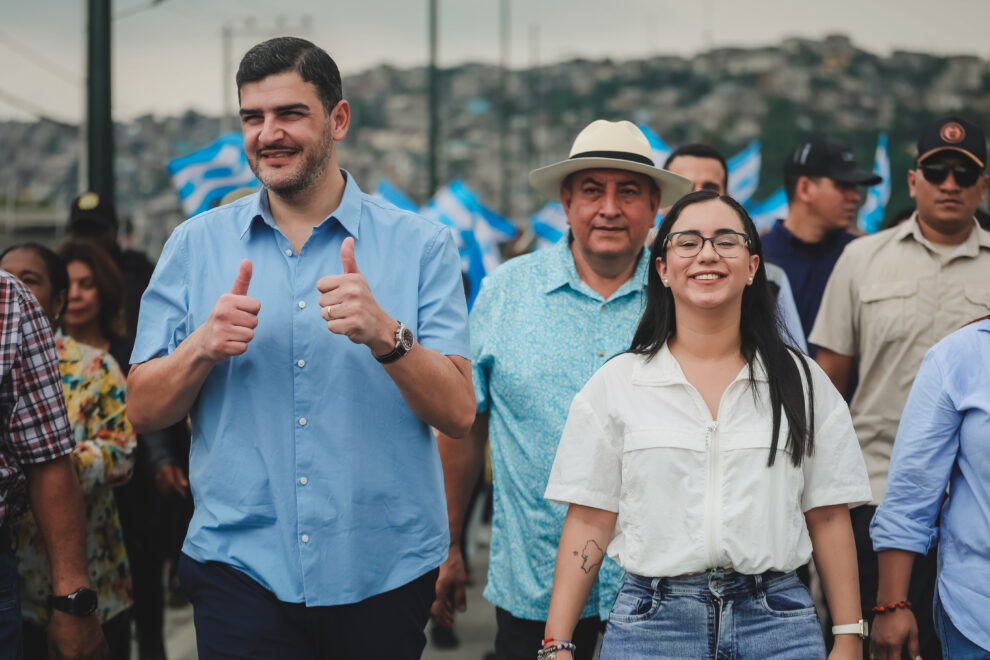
[(406, 338), (83, 601)]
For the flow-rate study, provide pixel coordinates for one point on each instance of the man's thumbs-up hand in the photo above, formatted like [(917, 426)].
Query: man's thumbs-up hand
[(232, 322), (349, 308)]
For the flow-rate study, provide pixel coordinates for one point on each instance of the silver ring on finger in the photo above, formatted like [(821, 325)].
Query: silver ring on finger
[(329, 309)]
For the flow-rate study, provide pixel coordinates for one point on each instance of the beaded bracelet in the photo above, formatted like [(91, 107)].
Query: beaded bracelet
[(880, 609), (550, 652)]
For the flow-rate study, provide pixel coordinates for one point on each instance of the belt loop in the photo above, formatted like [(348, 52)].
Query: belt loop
[(758, 586)]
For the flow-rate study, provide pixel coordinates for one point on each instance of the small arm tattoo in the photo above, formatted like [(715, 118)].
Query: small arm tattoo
[(591, 555)]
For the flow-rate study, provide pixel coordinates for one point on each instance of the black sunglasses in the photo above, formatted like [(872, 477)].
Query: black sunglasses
[(964, 175)]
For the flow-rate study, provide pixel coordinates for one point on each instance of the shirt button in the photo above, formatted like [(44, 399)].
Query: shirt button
[(302, 421), (302, 304), (305, 538), (601, 354), (604, 306), (300, 363), (288, 252), (303, 480)]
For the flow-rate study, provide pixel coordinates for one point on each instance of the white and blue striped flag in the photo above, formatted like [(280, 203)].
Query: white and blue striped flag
[(203, 177), (549, 224), (766, 213), (394, 196), (477, 231), (659, 147), (871, 214), (744, 172)]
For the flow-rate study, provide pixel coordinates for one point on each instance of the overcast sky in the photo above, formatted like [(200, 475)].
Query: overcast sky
[(167, 58)]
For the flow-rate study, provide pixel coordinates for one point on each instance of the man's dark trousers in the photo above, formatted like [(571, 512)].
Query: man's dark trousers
[(237, 618), (921, 588)]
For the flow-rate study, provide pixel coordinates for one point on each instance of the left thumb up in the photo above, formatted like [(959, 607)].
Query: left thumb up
[(347, 257)]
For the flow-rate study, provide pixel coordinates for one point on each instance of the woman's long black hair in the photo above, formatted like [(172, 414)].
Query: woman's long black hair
[(759, 327)]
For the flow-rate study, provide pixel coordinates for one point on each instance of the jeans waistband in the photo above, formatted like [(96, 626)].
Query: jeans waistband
[(718, 581)]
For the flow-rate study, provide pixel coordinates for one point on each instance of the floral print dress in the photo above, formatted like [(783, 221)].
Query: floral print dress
[(104, 457)]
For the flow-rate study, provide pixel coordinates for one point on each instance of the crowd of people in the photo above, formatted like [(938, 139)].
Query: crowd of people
[(688, 424)]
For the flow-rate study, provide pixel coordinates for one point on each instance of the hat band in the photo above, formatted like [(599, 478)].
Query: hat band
[(617, 155)]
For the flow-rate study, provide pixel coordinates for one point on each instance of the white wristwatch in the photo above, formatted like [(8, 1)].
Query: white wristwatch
[(860, 628)]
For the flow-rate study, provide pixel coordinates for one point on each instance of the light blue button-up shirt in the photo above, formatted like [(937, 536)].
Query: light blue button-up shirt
[(308, 471), (538, 333), (944, 439)]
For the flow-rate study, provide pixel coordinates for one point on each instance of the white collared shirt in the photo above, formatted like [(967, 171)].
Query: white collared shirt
[(693, 493)]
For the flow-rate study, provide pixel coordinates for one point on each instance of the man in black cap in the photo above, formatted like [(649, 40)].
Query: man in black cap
[(822, 185), (890, 298)]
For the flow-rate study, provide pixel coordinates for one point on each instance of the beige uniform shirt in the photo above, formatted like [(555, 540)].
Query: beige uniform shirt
[(891, 297)]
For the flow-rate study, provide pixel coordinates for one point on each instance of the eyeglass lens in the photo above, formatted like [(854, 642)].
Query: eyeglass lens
[(964, 175), (688, 244)]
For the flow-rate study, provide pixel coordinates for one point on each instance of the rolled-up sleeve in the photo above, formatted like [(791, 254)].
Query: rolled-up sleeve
[(163, 322), (443, 306), (920, 465)]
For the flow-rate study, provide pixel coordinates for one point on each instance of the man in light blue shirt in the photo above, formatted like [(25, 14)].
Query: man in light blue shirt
[(319, 513), (541, 326), (943, 440)]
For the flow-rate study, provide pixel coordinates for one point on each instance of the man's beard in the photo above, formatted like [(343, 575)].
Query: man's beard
[(311, 169)]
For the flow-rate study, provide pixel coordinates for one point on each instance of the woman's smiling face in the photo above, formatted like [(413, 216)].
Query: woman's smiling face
[(707, 280)]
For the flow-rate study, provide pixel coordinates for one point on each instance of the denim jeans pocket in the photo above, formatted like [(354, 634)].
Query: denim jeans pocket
[(636, 602), (788, 600)]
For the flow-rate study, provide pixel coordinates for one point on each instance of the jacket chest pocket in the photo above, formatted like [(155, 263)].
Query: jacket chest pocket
[(888, 310)]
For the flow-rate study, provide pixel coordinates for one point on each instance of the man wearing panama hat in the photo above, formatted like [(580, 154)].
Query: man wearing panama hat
[(542, 324)]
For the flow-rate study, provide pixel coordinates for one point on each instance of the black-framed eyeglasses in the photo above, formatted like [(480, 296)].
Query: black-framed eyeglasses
[(726, 244), (965, 175)]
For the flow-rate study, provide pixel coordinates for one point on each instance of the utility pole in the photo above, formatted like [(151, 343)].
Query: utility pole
[(503, 109), (433, 131), (99, 117)]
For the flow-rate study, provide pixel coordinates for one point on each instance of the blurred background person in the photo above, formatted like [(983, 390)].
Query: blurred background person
[(153, 526), (94, 395), (941, 442), (891, 297)]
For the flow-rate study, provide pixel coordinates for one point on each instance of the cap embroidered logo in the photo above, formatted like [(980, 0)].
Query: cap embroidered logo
[(953, 133)]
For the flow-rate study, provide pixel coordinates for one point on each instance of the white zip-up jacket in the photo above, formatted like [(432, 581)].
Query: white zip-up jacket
[(694, 493)]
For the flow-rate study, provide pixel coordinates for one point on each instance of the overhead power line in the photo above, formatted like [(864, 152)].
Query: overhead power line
[(34, 57)]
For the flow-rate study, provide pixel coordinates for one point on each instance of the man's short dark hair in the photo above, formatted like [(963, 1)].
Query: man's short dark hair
[(701, 151), (285, 54)]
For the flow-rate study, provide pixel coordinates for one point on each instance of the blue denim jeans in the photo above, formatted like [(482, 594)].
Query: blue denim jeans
[(955, 645), (717, 616), (10, 608)]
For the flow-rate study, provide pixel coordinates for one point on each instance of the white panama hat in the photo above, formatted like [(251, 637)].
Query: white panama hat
[(617, 145)]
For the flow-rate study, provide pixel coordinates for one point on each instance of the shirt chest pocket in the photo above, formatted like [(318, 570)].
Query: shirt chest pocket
[(978, 299), (888, 310)]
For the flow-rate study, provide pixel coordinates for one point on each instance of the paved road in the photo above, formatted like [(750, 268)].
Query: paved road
[(475, 628)]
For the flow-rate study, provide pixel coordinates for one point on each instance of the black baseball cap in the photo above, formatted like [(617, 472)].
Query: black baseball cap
[(953, 134), (92, 213), (821, 156)]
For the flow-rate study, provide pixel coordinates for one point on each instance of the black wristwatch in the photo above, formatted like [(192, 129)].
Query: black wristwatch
[(404, 341), (81, 602)]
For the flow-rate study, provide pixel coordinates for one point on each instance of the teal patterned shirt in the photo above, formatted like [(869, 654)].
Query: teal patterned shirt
[(538, 333)]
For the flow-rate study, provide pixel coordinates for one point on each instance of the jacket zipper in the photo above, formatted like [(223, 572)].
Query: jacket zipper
[(713, 517)]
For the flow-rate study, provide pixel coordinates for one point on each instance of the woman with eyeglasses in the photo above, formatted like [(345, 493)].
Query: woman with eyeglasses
[(104, 455), (710, 461)]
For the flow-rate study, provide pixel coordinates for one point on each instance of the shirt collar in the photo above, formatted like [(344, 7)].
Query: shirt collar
[(561, 271), (348, 213), (664, 369), (978, 238)]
